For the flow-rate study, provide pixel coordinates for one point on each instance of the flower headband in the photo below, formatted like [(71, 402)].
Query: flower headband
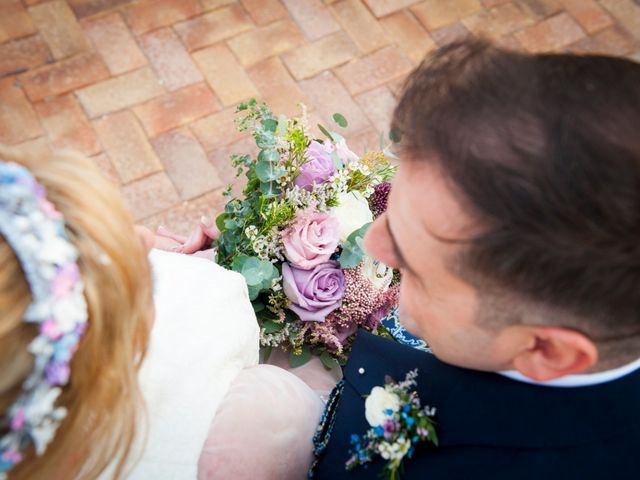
[(35, 231)]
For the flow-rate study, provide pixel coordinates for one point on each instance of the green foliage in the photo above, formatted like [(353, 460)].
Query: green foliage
[(352, 249), (340, 120), (259, 274), (297, 360)]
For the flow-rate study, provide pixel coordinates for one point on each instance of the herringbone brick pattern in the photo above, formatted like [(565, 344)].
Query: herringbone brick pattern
[(148, 88)]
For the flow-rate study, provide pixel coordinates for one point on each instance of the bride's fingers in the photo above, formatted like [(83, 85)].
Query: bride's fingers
[(163, 232), (196, 241), (209, 228)]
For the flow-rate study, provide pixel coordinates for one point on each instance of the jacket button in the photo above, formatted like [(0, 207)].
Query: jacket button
[(361, 371)]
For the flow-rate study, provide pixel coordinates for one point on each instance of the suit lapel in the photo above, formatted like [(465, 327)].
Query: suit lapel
[(480, 408)]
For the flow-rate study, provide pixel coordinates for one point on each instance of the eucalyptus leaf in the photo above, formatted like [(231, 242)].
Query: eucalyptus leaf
[(268, 155), (258, 306), (270, 124), (395, 135), (252, 276), (272, 327), (325, 132), (267, 171), (328, 361), (299, 360), (253, 292), (340, 120), (352, 251), (270, 189), (220, 221)]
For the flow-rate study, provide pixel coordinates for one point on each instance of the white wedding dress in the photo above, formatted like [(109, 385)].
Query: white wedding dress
[(205, 333)]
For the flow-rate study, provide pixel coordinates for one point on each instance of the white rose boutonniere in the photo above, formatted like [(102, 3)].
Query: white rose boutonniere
[(398, 423), (380, 405)]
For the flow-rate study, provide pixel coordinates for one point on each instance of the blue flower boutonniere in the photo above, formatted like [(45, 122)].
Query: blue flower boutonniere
[(398, 422)]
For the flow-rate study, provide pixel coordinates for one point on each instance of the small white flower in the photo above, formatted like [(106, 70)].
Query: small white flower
[(377, 403)]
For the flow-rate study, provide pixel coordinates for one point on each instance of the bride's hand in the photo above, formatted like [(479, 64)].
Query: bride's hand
[(200, 239)]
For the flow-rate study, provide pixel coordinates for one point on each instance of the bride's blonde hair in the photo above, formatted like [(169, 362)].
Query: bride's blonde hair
[(102, 397)]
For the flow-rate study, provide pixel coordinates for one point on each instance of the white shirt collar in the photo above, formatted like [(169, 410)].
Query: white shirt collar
[(581, 380)]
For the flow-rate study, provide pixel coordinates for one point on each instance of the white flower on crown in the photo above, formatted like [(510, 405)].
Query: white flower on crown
[(68, 311), (352, 213), (377, 405), (377, 273)]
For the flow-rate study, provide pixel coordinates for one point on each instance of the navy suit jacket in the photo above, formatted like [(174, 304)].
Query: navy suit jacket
[(490, 426)]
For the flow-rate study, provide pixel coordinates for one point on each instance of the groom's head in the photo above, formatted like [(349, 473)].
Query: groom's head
[(515, 213)]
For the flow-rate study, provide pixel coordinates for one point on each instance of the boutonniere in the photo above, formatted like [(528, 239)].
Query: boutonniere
[(398, 422)]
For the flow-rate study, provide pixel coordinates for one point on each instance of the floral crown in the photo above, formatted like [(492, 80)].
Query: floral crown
[(35, 231)]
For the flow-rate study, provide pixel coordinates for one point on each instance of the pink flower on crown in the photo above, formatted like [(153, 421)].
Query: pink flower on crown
[(50, 329), (48, 209), (17, 422), (65, 280)]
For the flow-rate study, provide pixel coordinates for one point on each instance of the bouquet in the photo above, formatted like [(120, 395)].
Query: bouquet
[(296, 236)]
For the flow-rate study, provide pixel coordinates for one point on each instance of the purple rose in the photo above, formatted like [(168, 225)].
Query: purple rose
[(316, 293), (311, 239), (318, 168)]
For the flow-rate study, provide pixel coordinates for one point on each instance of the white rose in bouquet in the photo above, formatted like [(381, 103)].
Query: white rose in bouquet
[(379, 401), (377, 273), (352, 213)]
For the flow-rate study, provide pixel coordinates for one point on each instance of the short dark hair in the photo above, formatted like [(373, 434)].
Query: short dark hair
[(544, 150)]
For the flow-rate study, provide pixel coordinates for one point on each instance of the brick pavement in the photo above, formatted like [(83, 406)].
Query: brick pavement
[(148, 88)]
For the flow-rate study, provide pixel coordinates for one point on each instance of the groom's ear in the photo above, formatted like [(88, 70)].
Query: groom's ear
[(554, 352)]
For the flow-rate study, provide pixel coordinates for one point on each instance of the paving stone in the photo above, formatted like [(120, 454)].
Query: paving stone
[(150, 195), (588, 14), (67, 124), (493, 3), (120, 92), (184, 217), (220, 158), (86, 8), (213, 4), (449, 34), (610, 41), (627, 12), (276, 87), (407, 33), (36, 148), (361, 26), (328, 52), (113, 40), (265, 42), (499, 21), (213, 27), (225, 75), (59, 28), (106, 167), (217, 130), (170, 60), (382, 8), (15, 22), (435, 14), (18, 120), (313, 18), (550, 34), (64, 76), (378, 105), (373, 70), (265, 11), (123, 139), (186, 163), (176, 108), (19, 55), (148, 15), (363, 142), (328, 96)]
